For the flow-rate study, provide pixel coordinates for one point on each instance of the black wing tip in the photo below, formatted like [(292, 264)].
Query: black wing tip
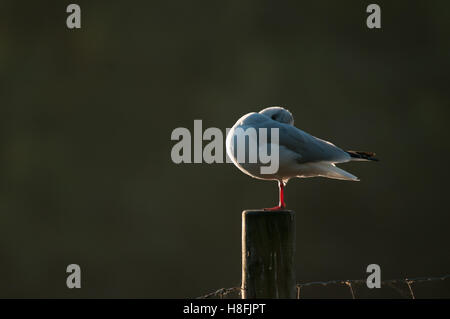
[(370, 156)]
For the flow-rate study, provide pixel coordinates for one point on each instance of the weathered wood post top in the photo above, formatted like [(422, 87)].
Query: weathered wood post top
[(268, 253)]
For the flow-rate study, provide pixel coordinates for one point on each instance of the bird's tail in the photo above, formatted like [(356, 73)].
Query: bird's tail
[(329, 170), (362, 156), (332, 171)]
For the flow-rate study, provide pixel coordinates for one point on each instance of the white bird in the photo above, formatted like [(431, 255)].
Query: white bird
[(300, 154)]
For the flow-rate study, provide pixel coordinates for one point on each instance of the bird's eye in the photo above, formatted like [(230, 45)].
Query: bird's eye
[(273, 117)]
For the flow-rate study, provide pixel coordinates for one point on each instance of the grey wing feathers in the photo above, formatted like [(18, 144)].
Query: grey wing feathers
[(309, 148)]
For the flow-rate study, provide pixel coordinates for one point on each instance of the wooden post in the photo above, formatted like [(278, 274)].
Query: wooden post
[(268, 251)]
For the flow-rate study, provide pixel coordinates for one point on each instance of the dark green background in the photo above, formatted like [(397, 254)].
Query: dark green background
[(86, 117)]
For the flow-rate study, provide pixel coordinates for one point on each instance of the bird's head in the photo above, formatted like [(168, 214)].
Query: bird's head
[(278, 114)]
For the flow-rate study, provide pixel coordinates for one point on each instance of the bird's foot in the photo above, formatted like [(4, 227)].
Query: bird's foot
[(281, 202), (279, 207)]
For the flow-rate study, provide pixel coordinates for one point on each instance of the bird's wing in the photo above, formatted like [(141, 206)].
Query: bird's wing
[(308, 147)]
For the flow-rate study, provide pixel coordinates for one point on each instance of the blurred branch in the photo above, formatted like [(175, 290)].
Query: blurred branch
[(224, 292)]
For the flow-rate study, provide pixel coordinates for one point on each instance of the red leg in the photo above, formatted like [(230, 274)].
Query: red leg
[(281, 203)]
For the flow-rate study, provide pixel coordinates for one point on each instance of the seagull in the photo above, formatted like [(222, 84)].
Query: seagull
[(300, 154)]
